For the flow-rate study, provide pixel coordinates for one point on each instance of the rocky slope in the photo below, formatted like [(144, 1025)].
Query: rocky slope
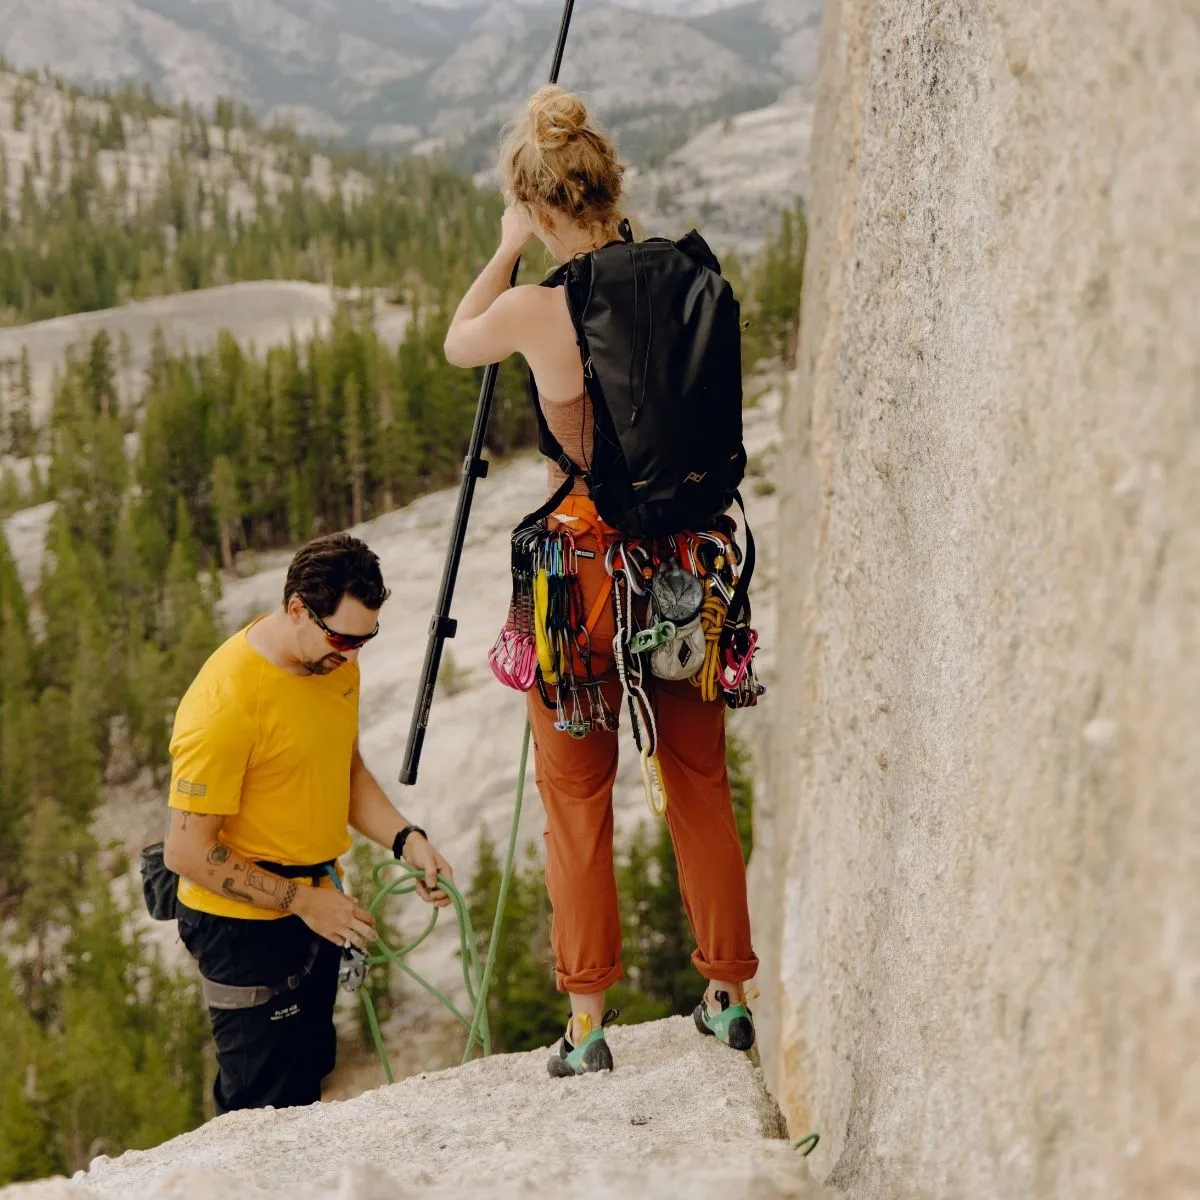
[(680, 1117), (982, 924), (258, 313), (33, 134)]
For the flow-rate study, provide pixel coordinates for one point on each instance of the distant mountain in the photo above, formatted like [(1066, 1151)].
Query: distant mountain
[(439, 72), (731, 179)]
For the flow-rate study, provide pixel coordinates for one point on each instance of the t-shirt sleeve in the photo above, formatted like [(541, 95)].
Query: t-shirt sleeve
[(210, 749)]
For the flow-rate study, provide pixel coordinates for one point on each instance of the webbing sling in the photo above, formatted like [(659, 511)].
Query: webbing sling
[(231, 996), (228, 996)]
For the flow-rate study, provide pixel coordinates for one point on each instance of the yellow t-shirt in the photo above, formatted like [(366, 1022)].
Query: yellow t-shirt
[(271, 751)]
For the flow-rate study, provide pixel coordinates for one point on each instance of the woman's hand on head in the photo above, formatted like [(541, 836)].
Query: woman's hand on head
[(516, 227)]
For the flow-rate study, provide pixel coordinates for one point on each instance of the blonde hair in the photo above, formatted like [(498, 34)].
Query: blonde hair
[(554, 157)]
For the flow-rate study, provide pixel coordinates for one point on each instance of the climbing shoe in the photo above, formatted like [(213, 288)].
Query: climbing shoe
[(732, 1024), (592, 1053)]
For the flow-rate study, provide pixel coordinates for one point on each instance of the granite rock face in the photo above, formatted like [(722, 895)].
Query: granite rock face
[(978, 893)]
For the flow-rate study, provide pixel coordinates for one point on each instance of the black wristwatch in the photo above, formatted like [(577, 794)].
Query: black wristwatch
[(402, 837)]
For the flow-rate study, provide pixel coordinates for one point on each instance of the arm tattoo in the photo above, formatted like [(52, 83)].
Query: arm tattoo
[(269, 885), (241, 880), (229, 890), (281, 891)]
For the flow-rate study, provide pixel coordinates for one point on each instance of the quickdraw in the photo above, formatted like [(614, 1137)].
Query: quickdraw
[(631, 671), (546, 632), (513, 657)]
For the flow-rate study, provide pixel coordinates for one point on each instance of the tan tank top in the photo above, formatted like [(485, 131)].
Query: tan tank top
[(571, 423)]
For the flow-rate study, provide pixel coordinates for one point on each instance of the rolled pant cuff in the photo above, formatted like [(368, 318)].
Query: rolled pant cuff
[(585, 983), (730, 970)]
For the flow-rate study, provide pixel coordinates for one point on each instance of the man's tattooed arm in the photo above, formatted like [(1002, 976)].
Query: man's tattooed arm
[(195, 851)]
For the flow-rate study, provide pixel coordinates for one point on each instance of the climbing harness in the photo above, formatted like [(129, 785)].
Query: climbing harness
[(671, 599)]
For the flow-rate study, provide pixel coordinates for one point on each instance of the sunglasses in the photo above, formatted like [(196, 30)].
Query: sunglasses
[(342, 641)]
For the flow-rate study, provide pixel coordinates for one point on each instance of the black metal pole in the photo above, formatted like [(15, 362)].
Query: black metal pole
[(475, 466)]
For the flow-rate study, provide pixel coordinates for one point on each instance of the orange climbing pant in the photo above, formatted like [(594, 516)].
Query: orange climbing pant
[(575, 779)]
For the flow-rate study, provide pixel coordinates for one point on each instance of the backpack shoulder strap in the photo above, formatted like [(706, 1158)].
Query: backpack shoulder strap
[(548, 444), (543, 511)]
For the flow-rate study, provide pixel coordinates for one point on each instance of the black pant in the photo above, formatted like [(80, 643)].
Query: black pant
[(278, 1053)]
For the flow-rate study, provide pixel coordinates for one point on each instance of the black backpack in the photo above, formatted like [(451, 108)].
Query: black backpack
[(659, 331)]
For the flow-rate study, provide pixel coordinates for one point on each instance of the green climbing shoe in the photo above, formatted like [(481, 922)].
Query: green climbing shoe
[(592, 1053), (733, 1025)]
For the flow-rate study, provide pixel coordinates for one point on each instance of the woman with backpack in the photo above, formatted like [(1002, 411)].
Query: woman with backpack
[(563, 182)]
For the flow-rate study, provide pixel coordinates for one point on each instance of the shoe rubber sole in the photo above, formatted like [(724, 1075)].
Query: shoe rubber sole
[(741, 1030), (596, 1057)]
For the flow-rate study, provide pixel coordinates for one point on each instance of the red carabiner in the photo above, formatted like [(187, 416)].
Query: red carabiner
[(739, 664)]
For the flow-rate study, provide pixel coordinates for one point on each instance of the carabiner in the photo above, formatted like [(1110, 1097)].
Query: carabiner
[(738, 664), (656, 795)]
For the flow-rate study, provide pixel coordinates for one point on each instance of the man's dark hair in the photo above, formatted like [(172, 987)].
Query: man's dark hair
[(330, 567)]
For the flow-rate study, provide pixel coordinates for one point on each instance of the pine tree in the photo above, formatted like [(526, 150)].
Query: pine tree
[(22, 436), (66, 595), (199, 639), (356, 462), (100, 375), (27, 1148), (148, 691), (52, 849), (128, 1059), (182, 593), (226, 507), (16, 709)]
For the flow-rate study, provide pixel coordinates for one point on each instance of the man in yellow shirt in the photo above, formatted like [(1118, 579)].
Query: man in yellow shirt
[(266, 782)]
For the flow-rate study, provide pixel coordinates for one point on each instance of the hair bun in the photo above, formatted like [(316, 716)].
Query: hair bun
[(552, 156), (555, 116)]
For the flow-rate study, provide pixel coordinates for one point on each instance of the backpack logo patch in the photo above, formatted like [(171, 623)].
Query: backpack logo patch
[(694, 476)]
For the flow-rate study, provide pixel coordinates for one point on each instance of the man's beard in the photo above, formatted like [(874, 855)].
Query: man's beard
[(323, 666)]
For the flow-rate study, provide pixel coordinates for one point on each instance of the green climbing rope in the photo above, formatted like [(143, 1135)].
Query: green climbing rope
[(403, 881)]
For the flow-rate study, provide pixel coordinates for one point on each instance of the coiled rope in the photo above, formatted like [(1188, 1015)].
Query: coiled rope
[(403, 882), (712, 621)]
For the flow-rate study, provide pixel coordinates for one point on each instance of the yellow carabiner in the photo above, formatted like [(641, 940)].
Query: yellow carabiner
[(656, 794)]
